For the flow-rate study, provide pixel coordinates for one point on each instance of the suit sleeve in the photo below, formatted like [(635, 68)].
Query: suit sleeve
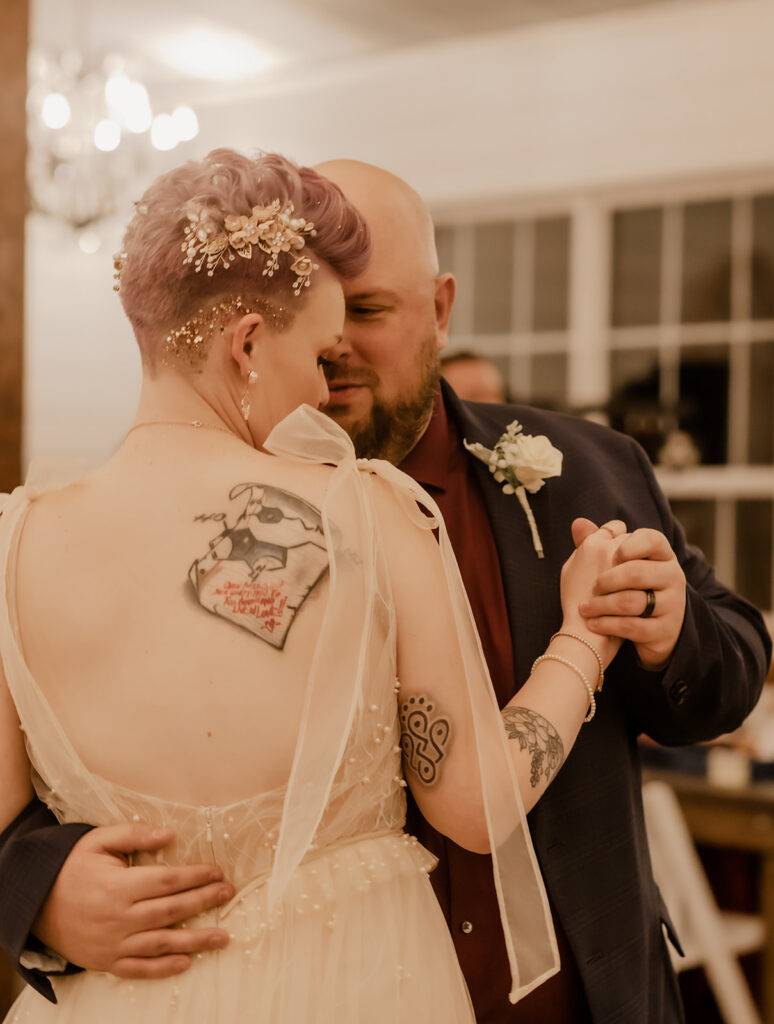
[(716, 672), (33, 849)]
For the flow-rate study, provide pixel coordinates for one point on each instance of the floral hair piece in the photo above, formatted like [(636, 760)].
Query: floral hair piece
[(272, 229), (119, 258)]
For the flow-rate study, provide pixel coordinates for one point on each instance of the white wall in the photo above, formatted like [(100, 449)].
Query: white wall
[(659, 91), (82, 371), (673, 90)]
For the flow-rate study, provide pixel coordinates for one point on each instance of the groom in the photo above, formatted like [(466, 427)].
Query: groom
[(692, 669)]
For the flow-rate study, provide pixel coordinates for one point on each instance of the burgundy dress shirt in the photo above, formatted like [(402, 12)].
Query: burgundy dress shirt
[(463, 881)]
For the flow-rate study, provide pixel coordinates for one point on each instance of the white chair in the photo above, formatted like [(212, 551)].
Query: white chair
[(711, 938)]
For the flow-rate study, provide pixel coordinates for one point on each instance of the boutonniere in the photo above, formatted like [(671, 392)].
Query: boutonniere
[(521, 462)]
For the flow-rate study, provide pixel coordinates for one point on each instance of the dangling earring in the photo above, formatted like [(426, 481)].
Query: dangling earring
[(252, 377)]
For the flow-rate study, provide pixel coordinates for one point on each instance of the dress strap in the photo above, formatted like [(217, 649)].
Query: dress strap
[(340, 659)]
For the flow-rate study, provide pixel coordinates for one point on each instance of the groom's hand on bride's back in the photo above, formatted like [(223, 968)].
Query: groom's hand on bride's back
[(106, 916)]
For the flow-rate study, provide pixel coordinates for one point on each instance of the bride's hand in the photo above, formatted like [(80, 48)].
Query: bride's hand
[(594, 551)]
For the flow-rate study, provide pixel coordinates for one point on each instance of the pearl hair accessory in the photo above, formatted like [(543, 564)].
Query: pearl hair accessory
[(215, 239), (272, 229), (119, 258)]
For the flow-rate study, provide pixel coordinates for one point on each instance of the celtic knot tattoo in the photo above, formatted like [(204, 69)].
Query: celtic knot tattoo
[(539, 738), (423, 739)]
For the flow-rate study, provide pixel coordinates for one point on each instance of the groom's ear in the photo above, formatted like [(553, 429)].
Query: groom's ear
[(445, 290), (246, 335)]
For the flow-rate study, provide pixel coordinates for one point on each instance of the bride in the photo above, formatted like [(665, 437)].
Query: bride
[(233, 559)]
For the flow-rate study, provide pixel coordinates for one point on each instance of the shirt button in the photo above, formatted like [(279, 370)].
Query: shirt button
[(466, 927), (677, 691)]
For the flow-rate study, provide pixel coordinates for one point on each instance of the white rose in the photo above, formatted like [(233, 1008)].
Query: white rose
[(534, 460)]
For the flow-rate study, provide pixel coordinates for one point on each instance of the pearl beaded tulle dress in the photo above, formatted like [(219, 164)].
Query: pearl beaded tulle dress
[(334, 920)]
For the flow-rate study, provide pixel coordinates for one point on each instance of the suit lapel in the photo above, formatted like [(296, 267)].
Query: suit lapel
[(531, 584)]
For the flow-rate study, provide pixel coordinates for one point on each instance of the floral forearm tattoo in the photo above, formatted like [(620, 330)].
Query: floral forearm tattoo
[(424, 738), (539, 738)]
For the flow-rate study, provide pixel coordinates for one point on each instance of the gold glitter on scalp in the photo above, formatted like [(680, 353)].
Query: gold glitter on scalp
[(190, 342)]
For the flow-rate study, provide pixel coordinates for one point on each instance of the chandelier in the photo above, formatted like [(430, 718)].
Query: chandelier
[(91, 135)]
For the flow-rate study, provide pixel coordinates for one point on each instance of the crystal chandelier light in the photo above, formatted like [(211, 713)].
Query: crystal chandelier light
[(91, 133)]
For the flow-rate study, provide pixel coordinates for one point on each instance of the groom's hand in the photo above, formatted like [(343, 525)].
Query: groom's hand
[(106, 916), (643, 561)]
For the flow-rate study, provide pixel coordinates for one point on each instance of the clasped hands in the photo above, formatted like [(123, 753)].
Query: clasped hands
[(641, 561), (105, 916)]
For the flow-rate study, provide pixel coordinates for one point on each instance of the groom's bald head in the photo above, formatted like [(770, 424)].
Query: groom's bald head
[(400, 223), (383, 386)]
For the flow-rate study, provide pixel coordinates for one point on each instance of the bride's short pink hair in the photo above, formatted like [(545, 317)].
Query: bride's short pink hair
[(159, 291)]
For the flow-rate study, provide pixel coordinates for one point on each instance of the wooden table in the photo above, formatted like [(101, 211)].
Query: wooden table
[(739, 819)]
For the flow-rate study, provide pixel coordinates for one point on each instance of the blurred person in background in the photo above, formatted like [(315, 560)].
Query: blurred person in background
[(691, 666), (473, 377)]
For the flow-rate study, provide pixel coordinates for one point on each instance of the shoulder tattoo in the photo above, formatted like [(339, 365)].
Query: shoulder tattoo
[(268, 556)]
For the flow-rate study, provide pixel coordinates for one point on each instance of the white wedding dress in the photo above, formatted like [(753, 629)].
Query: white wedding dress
[(334, 920)]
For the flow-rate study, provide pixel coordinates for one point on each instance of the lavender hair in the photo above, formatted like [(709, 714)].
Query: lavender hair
[(159, 291)]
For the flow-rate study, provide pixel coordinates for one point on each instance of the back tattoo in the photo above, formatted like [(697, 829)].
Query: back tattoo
[(259, 571)]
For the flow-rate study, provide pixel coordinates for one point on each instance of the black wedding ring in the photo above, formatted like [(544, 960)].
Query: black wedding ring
[(650, 604)]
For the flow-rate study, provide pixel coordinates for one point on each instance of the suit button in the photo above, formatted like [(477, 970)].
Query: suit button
[(466, 927)]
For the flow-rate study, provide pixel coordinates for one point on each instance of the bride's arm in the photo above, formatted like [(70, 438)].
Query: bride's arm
[(15, 783), (541, 722)]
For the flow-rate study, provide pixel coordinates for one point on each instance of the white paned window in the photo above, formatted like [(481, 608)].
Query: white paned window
[(653, 310)]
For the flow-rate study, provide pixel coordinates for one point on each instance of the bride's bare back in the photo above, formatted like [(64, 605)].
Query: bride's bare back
[(168, 607)]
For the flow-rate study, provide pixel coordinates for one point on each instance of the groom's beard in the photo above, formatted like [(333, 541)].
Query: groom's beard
[(391, 428)]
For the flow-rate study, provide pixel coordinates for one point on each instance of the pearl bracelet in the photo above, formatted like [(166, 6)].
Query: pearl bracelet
[(594, 651), (579, 672)]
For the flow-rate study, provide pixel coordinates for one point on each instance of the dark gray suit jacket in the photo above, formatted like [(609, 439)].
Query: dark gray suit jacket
[(588, 828)]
